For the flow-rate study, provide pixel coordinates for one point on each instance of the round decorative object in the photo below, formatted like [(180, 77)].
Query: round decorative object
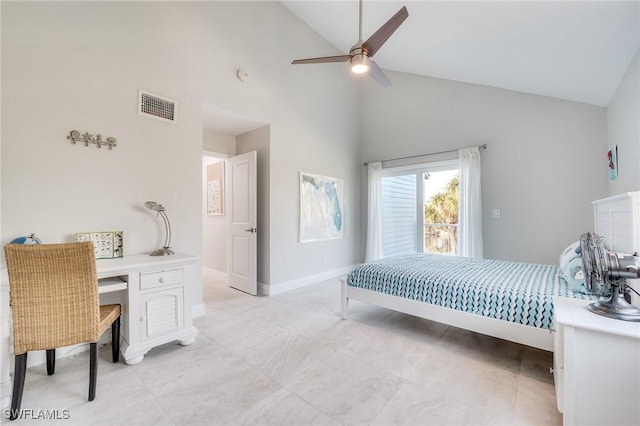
[(31, 239)]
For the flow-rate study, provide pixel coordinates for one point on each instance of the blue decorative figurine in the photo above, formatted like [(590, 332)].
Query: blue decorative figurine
[(31, 239)]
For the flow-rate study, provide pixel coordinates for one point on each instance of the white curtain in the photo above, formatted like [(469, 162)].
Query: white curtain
[(374, 216), (470, 211)]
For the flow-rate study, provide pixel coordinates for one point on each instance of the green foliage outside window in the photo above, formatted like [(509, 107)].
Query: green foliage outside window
[(441, 219)]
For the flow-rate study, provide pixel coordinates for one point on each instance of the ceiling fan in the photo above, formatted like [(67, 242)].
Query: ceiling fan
[(361, 54)]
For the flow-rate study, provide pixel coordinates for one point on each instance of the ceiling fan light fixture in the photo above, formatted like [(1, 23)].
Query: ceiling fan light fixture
[(360, 63), (361, 54)]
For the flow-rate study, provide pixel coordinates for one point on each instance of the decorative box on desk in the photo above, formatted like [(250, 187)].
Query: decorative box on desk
[(106, 245), (157, 306), (596, 366)]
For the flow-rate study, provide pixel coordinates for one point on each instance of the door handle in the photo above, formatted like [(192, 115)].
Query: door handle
[(252, 230)]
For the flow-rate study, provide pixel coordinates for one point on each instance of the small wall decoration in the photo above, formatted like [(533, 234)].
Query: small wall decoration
[(215, 189), (107, 245), (612, 156), (86, 138), (321, 208)]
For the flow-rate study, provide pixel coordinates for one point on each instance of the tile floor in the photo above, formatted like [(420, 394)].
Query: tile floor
[(290, 360)]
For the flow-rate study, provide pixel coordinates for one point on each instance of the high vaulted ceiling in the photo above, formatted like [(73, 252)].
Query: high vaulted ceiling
[(571, 50)]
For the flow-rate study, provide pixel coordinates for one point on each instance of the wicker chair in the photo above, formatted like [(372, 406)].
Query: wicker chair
[(54, 303)]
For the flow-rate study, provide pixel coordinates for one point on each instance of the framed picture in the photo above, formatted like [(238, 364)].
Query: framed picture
[(612, 156), (321, 208), (215, 189), (106, 245)]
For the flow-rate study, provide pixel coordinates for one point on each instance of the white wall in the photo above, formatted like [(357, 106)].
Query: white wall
[(542, 168), (623, 119), (312, 112), (79, 65), (313, 119), (5, 383), (326, 150), (221, 143)]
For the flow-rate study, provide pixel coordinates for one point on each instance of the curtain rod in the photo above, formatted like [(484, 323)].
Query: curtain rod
[(484, 146)]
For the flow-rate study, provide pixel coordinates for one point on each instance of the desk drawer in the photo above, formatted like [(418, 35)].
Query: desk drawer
[(158, 279)]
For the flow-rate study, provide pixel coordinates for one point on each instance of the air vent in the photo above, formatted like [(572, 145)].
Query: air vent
[(155, 106)]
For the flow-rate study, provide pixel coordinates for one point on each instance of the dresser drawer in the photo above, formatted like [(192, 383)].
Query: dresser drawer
[(158, 279)]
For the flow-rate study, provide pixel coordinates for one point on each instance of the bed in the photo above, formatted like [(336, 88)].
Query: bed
[(509, 300)]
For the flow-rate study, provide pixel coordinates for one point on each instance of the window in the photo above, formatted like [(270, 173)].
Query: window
[(399, 219), (420, 209), (441, 202)]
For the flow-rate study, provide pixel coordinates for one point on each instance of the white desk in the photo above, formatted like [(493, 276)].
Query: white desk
[(109, 285), (155, 294), (596, 366)]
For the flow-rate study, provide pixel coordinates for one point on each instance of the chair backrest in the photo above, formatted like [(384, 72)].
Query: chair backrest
[(54, 295)]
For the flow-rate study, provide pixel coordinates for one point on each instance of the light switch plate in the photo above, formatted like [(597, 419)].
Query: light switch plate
[(496, 213)]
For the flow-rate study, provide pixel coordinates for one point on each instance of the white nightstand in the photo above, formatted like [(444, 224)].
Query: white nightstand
[(596, 366)]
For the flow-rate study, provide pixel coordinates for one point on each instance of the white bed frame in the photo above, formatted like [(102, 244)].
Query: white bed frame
[(526, 335), (624, 205)]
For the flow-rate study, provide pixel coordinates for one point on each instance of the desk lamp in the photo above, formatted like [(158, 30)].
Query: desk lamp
[(157, 207)]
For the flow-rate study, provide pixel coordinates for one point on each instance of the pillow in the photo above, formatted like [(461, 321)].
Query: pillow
[(568, 254), (571, 268), (573, 275)]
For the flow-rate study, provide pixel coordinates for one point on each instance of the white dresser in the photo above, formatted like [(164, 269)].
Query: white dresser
[(596, 366), (617, 219)]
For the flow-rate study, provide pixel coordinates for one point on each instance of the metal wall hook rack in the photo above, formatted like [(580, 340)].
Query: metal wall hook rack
[(86, 138)]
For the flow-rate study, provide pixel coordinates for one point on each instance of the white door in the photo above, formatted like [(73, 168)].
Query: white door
[(242, 252)]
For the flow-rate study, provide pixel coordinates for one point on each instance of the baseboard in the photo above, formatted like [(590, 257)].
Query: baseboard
[(263, 289), (273, 289), (215, 274), (277, 288), (39, 357), (5, 394)]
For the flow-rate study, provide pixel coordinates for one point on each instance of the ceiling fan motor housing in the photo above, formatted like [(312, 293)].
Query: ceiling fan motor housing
[(360, 61)]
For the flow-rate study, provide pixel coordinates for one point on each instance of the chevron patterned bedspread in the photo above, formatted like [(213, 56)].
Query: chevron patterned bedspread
[(511, 291)]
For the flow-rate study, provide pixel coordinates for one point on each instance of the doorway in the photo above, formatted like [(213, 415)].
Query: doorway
[(227, 135), (214, 227)]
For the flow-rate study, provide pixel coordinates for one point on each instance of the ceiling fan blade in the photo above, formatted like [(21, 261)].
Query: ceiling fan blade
[(324, 59), (378, 75), (378, 38)]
